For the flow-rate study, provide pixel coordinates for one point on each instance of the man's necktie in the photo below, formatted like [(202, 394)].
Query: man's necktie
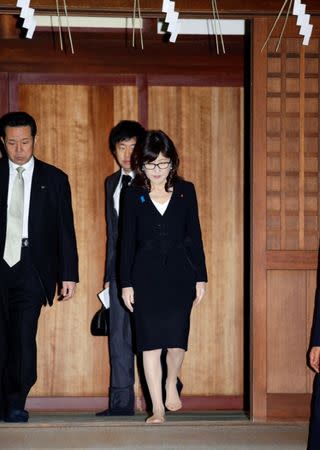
[(12, 249), (126, 180)]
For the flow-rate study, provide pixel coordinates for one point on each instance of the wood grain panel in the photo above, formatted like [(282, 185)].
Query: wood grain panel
[(288, 407), (72, 124), (211, 152), (258, 332), (292, 121), (4, 98), (125, 106), (285, 233), (286, 329)]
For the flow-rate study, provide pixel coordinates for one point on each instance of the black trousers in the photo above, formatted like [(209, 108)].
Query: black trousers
[(314, 427), (121, 392), (22, 296), (3, 349)]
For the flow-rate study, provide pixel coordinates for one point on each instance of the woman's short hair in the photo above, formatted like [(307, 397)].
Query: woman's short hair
[(147, 149)]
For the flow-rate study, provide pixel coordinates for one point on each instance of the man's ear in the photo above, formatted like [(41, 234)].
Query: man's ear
[(2, 140)]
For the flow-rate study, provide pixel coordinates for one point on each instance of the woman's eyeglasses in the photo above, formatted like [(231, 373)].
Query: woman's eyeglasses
[(161, 165)]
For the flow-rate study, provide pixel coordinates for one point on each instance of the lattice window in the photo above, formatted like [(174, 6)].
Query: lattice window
[(293, 132)]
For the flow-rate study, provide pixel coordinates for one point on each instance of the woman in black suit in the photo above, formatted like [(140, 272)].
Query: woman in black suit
[(163, 269)]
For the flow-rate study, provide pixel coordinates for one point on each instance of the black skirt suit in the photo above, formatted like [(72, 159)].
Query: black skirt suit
[(162, 258)]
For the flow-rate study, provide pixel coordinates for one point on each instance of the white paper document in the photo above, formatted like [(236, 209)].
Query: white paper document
[(105, 298)]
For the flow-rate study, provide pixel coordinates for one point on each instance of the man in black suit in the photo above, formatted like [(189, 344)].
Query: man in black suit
[(122, 140), (37, 251), (314, 361)]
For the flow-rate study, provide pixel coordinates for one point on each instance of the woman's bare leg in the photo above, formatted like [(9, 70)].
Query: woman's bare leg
[(153, 374), (175, 358)]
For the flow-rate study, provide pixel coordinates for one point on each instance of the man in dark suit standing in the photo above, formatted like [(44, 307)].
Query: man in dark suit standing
[(122, 140), (37, 251), (314, 361)]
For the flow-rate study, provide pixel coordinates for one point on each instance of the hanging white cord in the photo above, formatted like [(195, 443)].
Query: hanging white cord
[(275, 23), (134, 22), (219, 25), (136, 5), (59, 25), (67, 20), (140, 24), (215, 25), (284, 25)]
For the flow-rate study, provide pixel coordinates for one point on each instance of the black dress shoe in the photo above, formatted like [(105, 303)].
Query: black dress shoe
[(16, 415), (115, 412)]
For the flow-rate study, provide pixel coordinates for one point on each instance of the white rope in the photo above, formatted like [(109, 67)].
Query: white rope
[(68, 26), (59, 25), (274, 24), (284, 25), (219, 25), (136, 5)]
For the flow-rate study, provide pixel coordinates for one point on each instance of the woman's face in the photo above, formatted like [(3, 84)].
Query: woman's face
[(158, 170)]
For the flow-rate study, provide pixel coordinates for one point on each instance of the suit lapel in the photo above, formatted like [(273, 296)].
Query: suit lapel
[(38, 188), (114, 181), (4, 180), (113, 185), (4, 184)]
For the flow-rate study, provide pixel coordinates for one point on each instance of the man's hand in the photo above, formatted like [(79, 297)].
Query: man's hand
[(314, 359), (68, 289), (128, 297)]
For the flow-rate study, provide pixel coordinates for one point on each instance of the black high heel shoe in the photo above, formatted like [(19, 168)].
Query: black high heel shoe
[(178, 405), (179, 386)]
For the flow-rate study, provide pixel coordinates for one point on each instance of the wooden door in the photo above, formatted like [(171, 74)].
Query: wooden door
[(285, 205), (206, 124)]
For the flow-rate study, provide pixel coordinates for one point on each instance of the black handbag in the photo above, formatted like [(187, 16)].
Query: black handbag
[(100, 322)]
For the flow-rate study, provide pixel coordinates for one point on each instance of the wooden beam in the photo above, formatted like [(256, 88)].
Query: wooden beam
[(152, 8), (107, 52)]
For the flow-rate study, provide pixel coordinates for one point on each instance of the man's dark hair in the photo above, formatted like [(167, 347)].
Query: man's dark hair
[(123, 131), (17, 119)]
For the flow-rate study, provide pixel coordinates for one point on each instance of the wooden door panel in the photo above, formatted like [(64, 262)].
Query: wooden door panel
[(206, 125)]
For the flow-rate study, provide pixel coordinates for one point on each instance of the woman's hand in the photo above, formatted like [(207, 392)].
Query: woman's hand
[(200, 291), (128, 297)]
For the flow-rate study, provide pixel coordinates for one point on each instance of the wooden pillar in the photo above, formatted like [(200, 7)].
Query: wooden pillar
[(8, 26)]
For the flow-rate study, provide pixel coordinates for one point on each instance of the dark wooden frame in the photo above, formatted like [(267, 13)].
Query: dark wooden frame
[(9, 83), (152, 8)]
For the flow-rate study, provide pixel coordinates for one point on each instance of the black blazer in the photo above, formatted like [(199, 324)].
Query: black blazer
[(111, 183), (175, 236), (51, 228), (315, 332)]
